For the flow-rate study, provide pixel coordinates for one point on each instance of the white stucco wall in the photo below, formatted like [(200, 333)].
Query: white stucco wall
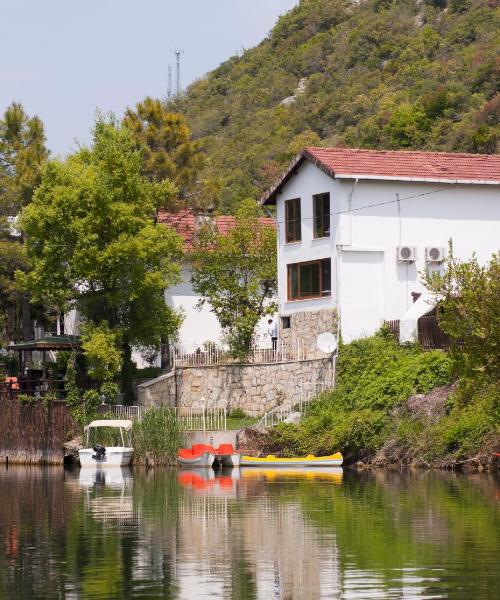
[(369, 285), (200, 326)]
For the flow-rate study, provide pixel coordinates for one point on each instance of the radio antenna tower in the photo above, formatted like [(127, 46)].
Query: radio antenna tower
[(178, 71), (169, 88)]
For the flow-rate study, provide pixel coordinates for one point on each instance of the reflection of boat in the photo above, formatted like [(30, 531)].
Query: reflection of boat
[(113, 477), (334, 460), (104, 456), (333, 474), (203, 455), (203, 480)]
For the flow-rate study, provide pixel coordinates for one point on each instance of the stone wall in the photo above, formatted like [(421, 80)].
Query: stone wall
[(158, 392), (306, 326), (255, 389)]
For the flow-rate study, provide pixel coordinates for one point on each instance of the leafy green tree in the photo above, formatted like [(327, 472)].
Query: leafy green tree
[(235, 273), (470, 313), (93, 244), (164, 138), (102, 355), (22, 152)]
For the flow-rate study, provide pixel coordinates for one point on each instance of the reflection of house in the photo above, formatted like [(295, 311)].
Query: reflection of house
[(199, 326), (357, 227)]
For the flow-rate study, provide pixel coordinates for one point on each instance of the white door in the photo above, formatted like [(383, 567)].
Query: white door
[(361, 294)]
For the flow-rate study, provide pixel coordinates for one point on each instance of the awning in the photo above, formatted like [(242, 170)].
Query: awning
[(408, 324), (123, 423), (54, 342)]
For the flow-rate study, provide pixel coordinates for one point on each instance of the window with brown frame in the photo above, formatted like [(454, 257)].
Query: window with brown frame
[(293, 231), (321, 207), (311, 279)]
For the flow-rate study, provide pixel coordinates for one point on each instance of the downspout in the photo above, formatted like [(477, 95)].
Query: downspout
[(400, 238), (339, 248)]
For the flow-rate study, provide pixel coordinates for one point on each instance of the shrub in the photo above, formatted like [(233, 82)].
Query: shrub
[(157, 436)]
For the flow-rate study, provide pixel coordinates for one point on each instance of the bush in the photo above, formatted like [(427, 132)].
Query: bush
[(375, 378), (157, 436)]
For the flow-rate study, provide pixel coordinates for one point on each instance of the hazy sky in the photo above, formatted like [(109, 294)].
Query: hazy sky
[(64, 58)]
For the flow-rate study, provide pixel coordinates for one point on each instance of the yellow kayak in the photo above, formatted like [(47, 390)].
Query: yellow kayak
[(334, 460)]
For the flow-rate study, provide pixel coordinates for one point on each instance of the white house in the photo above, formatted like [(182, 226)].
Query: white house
[(199, 325), (357, 227)]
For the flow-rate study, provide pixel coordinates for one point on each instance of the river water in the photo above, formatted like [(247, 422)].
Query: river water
[(247, 534)]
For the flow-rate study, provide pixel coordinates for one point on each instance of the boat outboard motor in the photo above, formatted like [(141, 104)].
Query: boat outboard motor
[(100, 451)]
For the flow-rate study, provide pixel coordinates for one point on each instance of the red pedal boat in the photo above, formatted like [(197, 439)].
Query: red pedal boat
[(203, 455)]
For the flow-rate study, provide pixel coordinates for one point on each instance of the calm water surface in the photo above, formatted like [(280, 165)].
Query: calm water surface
[(247, 534)]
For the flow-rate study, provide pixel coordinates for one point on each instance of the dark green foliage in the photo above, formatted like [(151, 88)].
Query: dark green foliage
[(375, 376), (470, 314), (377, 74)]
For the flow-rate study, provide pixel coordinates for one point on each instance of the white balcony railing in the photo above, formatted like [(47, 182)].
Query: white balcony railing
[(198, 356)]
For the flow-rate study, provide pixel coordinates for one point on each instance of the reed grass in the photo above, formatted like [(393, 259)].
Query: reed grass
[(157, 437)]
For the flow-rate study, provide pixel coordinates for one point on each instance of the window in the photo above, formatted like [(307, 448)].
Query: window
[(292, 221), (285, 322), (321, 207), (310, 280)]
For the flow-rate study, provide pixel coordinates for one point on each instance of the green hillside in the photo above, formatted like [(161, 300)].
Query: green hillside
[(420, 74)]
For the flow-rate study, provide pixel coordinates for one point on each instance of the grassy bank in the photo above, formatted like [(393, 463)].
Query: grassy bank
[(397, 405)]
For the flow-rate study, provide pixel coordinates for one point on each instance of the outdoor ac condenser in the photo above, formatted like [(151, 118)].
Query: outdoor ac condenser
[(406, 253), (434, 254)]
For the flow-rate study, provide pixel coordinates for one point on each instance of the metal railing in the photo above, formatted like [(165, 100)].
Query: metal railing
[(192, 419), (196, 356), (308, 391)]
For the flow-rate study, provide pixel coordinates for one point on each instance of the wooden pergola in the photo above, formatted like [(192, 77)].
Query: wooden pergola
[(42, 383)]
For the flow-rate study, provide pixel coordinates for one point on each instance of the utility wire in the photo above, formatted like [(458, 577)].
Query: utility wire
[(332, 214), (344, 212)]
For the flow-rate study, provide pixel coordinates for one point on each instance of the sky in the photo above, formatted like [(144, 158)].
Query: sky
[(64, 59)]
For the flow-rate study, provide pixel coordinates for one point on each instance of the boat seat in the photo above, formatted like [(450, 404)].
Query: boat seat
[(198, 449), (185, 453), (225, 449)]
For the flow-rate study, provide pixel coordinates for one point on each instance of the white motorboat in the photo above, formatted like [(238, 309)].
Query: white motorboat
[(108, 456)]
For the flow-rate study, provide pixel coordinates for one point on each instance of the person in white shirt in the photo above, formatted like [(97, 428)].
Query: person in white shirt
[(273, 332)]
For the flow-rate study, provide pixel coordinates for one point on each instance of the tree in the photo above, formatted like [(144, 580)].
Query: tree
[(164, 138), (470, 313), (93, 244), (235, 273), (22, 153)]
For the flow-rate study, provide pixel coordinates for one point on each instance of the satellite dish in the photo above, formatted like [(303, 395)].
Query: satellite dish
[(326, 342)]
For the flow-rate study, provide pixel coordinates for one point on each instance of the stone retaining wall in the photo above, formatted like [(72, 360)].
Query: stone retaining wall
[(255, 389), (306, 326)]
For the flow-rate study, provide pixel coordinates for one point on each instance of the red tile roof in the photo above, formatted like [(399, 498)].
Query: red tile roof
[(186, 223), (406, 165)]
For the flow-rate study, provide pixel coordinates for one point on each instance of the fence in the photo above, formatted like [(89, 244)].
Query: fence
[(430, 335), (191, 419), (214, 355), (308, 391)]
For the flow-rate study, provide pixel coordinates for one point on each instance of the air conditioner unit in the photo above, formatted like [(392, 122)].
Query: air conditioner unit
[(407, 253), (434, 254)]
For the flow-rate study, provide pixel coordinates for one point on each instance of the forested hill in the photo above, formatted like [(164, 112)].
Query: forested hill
[(420, 74)]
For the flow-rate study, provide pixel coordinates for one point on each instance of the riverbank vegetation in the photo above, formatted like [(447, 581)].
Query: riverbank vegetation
[(401, 405)]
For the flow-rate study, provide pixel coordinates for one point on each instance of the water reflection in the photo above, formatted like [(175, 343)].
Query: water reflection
[(245, 534)]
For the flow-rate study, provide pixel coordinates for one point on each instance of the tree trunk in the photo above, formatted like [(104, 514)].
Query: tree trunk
[(26, 322), (165, 357), (126, 374)]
